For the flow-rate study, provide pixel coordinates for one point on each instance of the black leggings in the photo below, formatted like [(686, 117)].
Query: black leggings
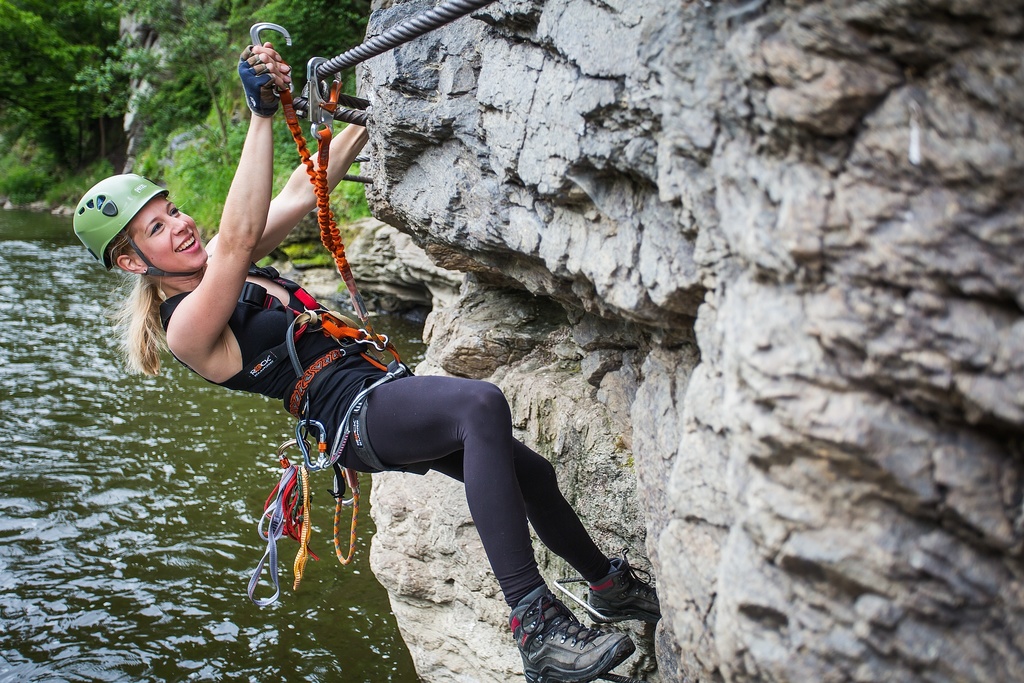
[(463, 428)]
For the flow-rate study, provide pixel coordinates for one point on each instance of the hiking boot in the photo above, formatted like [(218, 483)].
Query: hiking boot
[(623, 595), (556, 647)]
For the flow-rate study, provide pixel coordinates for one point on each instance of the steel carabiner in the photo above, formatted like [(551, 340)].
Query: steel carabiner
[(301, 430), (254, 35), (314, 99), (254, 32)]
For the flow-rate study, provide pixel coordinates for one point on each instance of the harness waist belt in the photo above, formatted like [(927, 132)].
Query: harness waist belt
[(303, 384), (360, 442)]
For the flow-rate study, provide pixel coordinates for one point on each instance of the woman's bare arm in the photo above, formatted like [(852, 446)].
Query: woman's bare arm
[(297, 199)]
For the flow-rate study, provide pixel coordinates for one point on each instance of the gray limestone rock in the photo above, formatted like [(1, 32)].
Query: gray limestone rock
[(750, 274)]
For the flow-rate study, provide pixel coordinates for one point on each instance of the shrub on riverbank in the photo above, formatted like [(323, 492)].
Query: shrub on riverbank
[(27, 178)]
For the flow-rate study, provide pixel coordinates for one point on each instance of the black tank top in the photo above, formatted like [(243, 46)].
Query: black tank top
[(260, 330)]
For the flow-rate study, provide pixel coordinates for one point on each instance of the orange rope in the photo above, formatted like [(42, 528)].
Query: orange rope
[(354, 485), (303, 555), (329, 233)]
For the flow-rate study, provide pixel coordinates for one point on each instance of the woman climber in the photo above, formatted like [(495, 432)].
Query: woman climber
[(224, 319)]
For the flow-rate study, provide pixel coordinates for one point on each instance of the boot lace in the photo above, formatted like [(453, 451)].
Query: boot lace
[(639, 580), (556, 620)]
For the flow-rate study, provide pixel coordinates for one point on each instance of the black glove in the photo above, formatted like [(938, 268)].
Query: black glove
[(260, 94)]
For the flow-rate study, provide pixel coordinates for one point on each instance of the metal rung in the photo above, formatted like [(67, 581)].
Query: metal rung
[(560, 584), (607, 676), (619, 679)]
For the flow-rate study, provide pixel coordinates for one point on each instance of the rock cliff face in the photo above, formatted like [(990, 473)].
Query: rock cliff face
[(751, 275)]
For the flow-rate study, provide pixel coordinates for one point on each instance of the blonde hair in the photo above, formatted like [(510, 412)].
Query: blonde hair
[(137, 318)]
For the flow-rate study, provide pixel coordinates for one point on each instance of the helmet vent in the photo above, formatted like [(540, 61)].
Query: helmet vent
[(107, 207)]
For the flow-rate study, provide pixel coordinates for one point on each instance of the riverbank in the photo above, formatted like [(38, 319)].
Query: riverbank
[(39, 206)]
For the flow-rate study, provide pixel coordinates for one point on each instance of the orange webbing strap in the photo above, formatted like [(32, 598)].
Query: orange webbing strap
[(331, 103), (340, 327)]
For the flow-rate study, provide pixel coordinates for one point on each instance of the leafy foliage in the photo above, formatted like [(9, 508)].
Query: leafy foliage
[(195, 64), (41, 52), (308, 255), (75, 77), (24, 184)]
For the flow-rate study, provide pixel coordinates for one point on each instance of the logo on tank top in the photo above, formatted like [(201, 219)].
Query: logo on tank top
[(258, 369)]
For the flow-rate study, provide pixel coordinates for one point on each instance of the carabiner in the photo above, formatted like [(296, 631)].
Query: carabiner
[(377, 341), (314, 108), (254, 35), (301, 429), (254, 32), (281, 457)]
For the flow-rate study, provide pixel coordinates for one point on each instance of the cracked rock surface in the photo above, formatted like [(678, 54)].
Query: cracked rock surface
[(752, 276)]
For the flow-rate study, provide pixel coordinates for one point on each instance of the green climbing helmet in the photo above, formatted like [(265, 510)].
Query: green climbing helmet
[(108, 207)]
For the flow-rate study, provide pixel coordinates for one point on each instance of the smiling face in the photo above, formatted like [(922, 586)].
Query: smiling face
[(168, 238)]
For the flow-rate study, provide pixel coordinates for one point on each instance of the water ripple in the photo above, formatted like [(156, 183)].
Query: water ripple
[(128, 508)]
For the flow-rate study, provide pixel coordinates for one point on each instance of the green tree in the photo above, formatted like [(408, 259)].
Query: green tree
[(188, 74), (72, 77), (45, 45)]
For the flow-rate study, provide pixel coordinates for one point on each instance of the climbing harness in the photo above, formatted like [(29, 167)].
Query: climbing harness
[(287, 512)]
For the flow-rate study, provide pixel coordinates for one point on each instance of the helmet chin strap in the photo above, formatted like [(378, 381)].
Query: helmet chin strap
[(152, 270)]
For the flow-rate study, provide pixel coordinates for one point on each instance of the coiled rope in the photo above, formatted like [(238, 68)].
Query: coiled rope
[(352, 479)]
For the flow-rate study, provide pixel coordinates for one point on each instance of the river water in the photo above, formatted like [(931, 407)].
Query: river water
[(128, 506)]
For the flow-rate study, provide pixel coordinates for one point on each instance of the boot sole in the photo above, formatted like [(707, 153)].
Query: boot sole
[(612, 659)]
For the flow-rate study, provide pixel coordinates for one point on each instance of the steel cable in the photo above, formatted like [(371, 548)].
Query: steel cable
[(402, 33), (432, 19)]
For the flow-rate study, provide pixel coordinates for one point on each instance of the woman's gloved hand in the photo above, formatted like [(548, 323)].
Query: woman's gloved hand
[(264, 75)]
